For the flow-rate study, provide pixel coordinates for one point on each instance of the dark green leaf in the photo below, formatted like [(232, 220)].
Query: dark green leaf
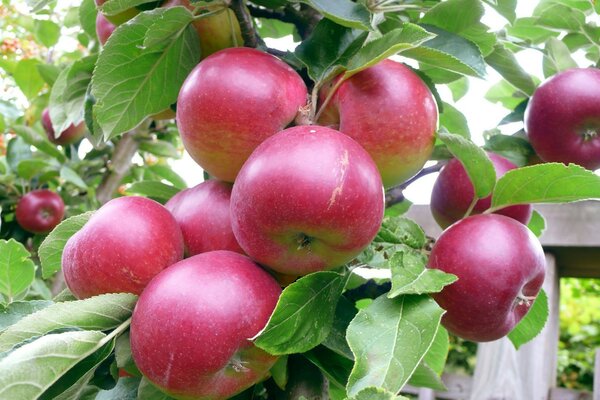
[(546, 183), (335, 367), (389, 339), (336, 340), (304, 314), (476, 162), (17, 271), (50, 251), (532, 323), (127, 74)]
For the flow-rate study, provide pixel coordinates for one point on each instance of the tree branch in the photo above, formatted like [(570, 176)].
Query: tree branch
[(118, 166), (305, 18), (395, 195), (246, 23)]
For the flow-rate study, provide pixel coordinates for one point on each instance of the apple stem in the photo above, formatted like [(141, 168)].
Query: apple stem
[(330, 95), (395, 194), (522, 299), (471, 207)]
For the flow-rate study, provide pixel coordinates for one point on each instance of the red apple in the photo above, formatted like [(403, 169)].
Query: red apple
[(70, 135), (191, 328), (203, 215), (120, 18), (391, 112), (453, 193), (308, 199), (231, 102), (216, 32), (500, 267), (39, 211), (562, 118), (124, 244), (104, 28)]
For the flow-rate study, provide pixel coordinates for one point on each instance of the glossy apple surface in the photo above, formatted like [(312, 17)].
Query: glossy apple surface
[(104, 28), (121, 248), (389, 111), (216, 32), (308, 199), (497, 260), (562, 119), (231, 102), (453, 193), (191, 328), (70, 135), (204, 216), (39, 211)]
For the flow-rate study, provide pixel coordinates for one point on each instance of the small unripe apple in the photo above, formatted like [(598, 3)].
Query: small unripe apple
[(562, 119), (453, 194), (500, 267), (308, 199), (70, 135), (204, 216), (231, 102), (39, 211), (121, 248), (104, 28), (216, 32), (192, 325), (389, 111)]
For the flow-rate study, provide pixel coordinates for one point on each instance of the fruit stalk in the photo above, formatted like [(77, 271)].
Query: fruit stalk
[(118, 166)]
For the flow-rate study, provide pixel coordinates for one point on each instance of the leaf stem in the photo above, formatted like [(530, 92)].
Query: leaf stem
[(471, 207), (330, 95)]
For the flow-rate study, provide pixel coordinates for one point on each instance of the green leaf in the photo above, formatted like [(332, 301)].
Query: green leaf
[(529, 30), (113, 7), (48, 72), (428, 373), (156, 190), (343, 12), (67, 96), (506, 8), (273, 28), (515, 148), (546, 183), (505, 94), (147, 391), (459, 88), (27, 169), (454, 121), (17, 271), (476, 162), (345, 311), (14, 312), (401, 230), (557, 57), (454, 15), (537, 223), (28, 78), (559, 16), (450, 52), (304, 314), (37, 5), (100, 313), (46, 32), (165, 172), (87, 17), (279, 372), (505, 62), (532, 323), (160, 148), (326, 48), (123, 356), (392, 42), (126, 389), (51, 249), (389, 339), (410, 274), (40, 141), (335, 367), (54, 355), (71, 176), (374, 393), (127, 74)]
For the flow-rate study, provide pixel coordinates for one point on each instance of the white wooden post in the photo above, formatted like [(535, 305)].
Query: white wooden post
[(503, 373)]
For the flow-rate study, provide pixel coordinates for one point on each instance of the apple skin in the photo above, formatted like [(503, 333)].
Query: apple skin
[(562, 119), (389, 111), (308, 199), (121, 248), (203, 215), (191, 328), (104, 28), (495, 259), (231, 102), (215, 31), (69, 136), (39, 211), (453, 193)]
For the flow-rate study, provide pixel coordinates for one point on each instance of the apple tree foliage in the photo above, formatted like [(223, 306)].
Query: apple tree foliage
[(367, 337)]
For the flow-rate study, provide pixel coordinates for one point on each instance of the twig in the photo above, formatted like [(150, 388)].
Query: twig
[(305, 18), (119, 164), (246, 24), (395, 195)]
